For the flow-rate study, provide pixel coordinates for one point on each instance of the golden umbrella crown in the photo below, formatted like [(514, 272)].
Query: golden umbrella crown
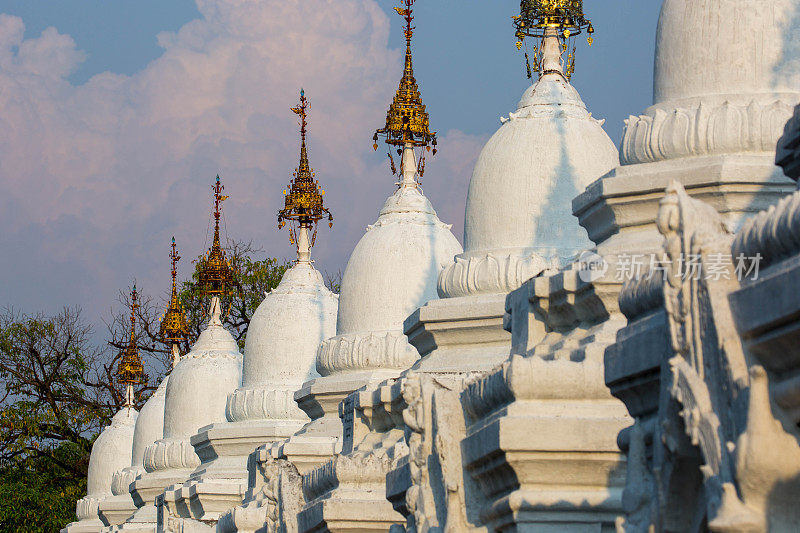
[(174, 328), (303, 202), (565, 18), (407, 120), (215, 275), (130, 370)]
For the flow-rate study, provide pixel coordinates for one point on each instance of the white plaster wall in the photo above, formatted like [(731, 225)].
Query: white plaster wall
[(199, 385), (150, 423), (719, 47), (394, 268), (111, 452), (521, 191), (286, 329)]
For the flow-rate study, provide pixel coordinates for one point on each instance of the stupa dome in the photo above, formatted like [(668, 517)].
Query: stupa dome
[(710, 47), (727, 78), (545, 154), (150, 424), (148, 429), (394, 267), (111, 451), (199, 385), (281, 346)]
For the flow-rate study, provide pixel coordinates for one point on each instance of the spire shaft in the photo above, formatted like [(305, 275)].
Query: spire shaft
[(174, 328), (551, 53), (303, 205)]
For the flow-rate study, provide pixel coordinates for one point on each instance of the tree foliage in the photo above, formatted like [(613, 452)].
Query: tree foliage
[(59, 390)]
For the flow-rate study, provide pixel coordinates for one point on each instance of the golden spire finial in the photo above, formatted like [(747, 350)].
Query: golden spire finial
[(174, 328), (130, 370), (214, 272), (560, 20), (303, 203), (407, 121)]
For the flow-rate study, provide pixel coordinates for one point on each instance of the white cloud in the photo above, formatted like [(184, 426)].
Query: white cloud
[(97, 177)]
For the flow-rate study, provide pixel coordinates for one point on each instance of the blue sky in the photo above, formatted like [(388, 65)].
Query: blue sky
[(466, 59), (116, 115)]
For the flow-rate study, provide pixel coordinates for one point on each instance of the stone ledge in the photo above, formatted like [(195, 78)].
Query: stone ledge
[(619, 209)]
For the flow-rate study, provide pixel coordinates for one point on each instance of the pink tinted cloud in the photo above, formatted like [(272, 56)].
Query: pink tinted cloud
[(97, 177)]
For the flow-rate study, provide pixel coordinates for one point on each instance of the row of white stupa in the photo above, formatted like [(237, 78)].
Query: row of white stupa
[(308, 349)]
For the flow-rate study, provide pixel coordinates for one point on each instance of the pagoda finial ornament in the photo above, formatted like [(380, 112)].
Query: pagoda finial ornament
[(556, 21), (303, 204), (407, 122), (130, 370), (215, 275), (174, 329)]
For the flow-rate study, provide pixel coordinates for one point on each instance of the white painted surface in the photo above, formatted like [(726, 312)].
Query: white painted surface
[(523, 183), (111, 452), (394, 267), (150, 423), (281, 346), (734, 48), (199, 385)]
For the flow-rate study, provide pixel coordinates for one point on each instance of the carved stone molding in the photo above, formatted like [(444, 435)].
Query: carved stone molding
[(774, 234), (345, 470), (122, 479), (170, 453), (492, 272), (87, 507), (367, 350), (263, 403), (640, 295), (702, 128)]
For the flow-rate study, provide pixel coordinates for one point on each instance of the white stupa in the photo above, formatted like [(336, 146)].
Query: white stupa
[(111, 452), (392, 271), (113, 449), (148, 429), (196, 395), (279, 357), (727, 78), (197, 391), (519, 214), (519, 220)]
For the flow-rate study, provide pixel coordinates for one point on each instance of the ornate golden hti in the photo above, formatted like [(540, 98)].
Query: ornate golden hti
[(215, 275), (303, 204), (407, 121), (130, 370), (565, 17), (174, 329)]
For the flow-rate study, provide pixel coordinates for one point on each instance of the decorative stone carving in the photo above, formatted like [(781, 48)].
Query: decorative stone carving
[(667, 132), (170, 453), (773, 235), (545, 415), (493, 272), (86, 508), (437, 496), (273, 501), (363, 351), (122, 479), (338, 492), (708, 468), (261, 403)]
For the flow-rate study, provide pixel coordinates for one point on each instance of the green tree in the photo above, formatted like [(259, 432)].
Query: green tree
[(59, 390)]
